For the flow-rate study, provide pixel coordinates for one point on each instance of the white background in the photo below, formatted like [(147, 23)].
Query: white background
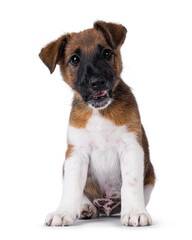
[(35, 106)]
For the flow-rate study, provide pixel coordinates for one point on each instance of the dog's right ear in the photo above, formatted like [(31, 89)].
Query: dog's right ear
[(51, 54)]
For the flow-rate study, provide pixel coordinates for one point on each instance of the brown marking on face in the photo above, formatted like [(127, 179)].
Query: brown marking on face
[(108, 35), (87, 41)]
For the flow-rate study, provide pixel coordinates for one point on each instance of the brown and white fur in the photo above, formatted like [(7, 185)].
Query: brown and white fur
[(108, 154)]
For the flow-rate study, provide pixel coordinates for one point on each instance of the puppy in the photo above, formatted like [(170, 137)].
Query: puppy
[(107, 168)]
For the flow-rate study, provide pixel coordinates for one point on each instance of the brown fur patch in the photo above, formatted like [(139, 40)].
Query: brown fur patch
[(114, 33), (87, 41), (69, 151), (68, 154), (80, 113), (149, 178), (149, 174), (92, 189), (123, 110), (52, 52)]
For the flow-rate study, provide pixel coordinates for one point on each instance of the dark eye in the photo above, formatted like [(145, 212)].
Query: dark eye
[(75, 59), (107, 54)]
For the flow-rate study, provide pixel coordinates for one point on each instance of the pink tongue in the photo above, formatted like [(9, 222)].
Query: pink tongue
[(99, 94)]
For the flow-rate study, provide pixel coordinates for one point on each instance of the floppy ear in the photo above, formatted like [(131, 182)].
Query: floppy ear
[(114, 33), (51, 53)]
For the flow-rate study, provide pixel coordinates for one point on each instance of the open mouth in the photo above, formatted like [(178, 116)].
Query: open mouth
[(99, 99), (100, 95)]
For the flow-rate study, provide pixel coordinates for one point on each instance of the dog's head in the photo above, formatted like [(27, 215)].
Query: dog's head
[(90, 61)]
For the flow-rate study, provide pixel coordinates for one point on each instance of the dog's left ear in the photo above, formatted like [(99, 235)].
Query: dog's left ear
[(114, 33), (51, 54)]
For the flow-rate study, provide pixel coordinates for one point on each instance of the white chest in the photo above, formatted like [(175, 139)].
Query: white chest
[(105, 138), (100, 133), (101, 139)]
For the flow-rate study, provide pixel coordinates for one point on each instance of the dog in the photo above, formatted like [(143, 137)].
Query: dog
[(107, 168)]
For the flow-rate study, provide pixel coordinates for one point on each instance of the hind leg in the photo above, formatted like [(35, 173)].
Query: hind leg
[(88, 210), (147, 192)]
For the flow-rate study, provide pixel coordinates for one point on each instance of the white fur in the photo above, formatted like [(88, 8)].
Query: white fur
[(75, 174), (102, 107), (115, 159), (133, 210)]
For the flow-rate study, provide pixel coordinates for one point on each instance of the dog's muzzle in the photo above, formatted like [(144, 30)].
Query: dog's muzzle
[(100, 94)]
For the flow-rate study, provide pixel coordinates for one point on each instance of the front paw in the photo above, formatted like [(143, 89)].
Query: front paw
[(60, 218), (136, 219)]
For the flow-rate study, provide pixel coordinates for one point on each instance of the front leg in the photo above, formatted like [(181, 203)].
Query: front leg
[(133, 212), (75, 174)]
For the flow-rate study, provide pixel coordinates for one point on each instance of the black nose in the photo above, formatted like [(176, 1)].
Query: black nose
[(97, 83)]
